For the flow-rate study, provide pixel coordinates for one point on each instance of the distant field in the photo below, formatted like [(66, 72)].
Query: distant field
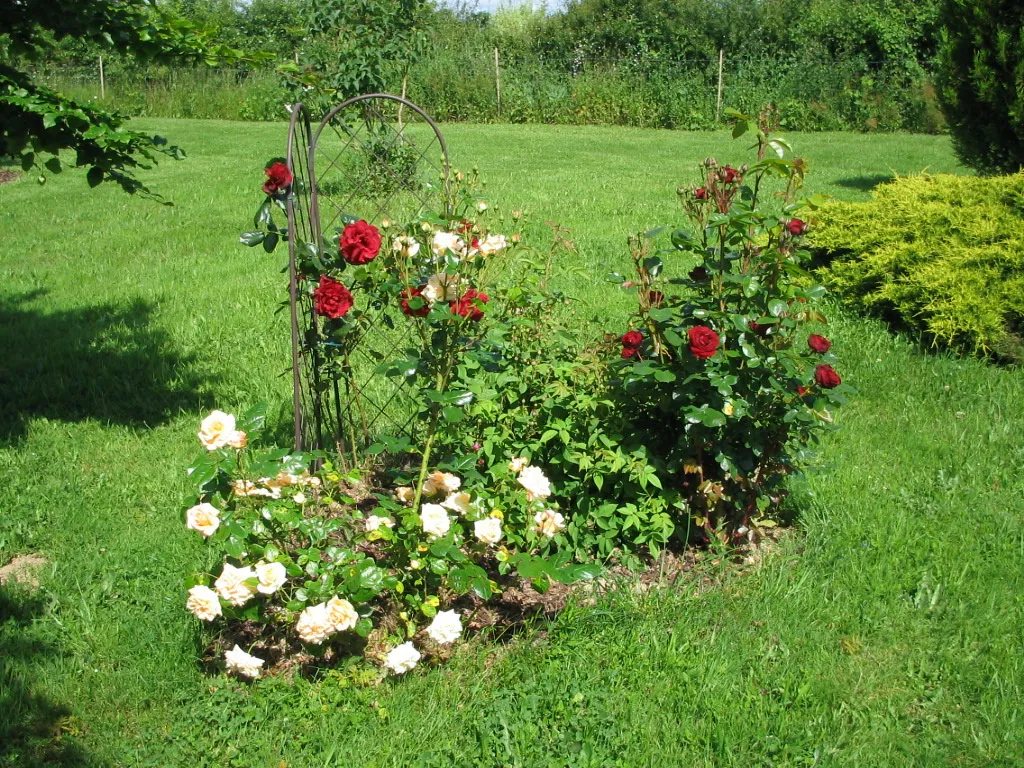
[(887, 630)]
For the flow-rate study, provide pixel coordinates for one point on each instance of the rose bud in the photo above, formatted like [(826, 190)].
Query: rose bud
[(796, 227), (819, 344), (700, 193), (826, 377)]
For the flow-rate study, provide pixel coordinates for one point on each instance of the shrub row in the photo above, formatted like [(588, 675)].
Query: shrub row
[(937, 254)]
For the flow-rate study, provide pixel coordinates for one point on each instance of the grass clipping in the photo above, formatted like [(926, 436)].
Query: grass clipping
[(938, 254)]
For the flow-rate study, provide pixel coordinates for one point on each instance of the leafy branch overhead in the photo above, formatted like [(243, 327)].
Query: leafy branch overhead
[(37, 123)]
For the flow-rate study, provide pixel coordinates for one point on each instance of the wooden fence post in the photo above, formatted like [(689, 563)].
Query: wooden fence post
[(497, 78), (718, 107)]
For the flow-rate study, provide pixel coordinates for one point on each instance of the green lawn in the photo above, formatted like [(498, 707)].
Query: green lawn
[(887, 631)]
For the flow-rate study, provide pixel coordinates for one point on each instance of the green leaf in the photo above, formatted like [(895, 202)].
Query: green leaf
[(270, 242), (664, 375), (452, 415), (251, 238), (53, 165)]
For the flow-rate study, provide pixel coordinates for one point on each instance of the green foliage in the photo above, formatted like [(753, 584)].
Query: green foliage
[(981, 81), (942, 255), (36, 122)]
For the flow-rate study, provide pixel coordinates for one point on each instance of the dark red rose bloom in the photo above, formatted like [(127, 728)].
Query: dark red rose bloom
[(758, 328), (279, 177), (796, 226), (467, 305), (654, 298), (359, 243), (412, 293), (802, 391), (632, 339), (703, 342), (729, 174), (475, 243), (331, 298), (700, 193), (826, 377), (819, 344), (628, 352), (699, 274)]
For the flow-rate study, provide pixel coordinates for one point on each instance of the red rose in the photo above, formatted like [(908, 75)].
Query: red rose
[(654, 298), (796, 227), (698, 274), (760, 330), (729, 174), (464, 226), (279, 177), (413, 293), (819, 344), (628, 352), (331, 298), (802, 391), (467, 305), (632, 339), (359, 243), (703, 342), (700, 193), (826, 377)]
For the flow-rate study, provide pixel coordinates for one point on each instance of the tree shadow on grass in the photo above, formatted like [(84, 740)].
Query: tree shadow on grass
[(35, 731), (866, 183), (103, 362)]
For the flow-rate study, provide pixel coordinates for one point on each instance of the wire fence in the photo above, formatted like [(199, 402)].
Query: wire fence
[(492, 86)]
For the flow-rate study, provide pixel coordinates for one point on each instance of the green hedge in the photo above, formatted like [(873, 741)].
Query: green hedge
[(942, 255)]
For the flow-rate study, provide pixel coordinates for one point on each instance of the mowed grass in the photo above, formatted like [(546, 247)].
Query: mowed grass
[(887, 630)]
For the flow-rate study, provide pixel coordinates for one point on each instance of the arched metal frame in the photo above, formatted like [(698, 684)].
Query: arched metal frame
[(305, 209)]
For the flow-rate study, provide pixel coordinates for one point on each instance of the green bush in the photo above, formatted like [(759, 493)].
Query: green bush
[(981, 81), (942, 255)]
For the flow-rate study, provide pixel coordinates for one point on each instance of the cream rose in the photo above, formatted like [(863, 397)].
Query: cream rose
[(535, 483), (405, 246), (403, 658), (238, 440), (203, 603), (204, 518), (232, 587), (549, 522), (341, 614), (217, 430), (518, 464), (446, 241), (445, 628), (488, 530), (441, 482), (374, 523), (314, 625), (241, 663), (272, 577), (405, 494), (442, 287), (491, 244), (457, 502), (299, 498), (435, 520)]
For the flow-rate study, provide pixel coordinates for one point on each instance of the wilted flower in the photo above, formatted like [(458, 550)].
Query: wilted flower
[(241, 663), (238, 440), (441, 482), (445, 628), (203, 603), (403, 658), (549, 522), (535, 483), (272, 577), (518, 464), (314, 624), (236, 585), (435, 520), (405, 494), (204, 518), (488, 530), (374, 522)]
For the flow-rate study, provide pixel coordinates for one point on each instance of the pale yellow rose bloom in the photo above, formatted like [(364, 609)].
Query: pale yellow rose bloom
[(549, 522), (445, 628), (457, 502), (204, 518), (535, 483), (272, 577), (232, 587), (403, 658), (341, 614), (241, 663), (435, 520), (217, 430), (314, 624), (203, 603), (488, 530)]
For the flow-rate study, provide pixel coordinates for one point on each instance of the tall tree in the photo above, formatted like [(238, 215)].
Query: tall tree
[(981, 81)]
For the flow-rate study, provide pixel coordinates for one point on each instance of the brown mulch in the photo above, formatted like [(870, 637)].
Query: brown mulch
[(8, 176)]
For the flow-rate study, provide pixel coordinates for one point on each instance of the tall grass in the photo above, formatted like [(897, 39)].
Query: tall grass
[(461, 84)]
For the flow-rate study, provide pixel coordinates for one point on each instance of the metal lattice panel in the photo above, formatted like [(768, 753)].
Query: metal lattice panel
[(373, 157)]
